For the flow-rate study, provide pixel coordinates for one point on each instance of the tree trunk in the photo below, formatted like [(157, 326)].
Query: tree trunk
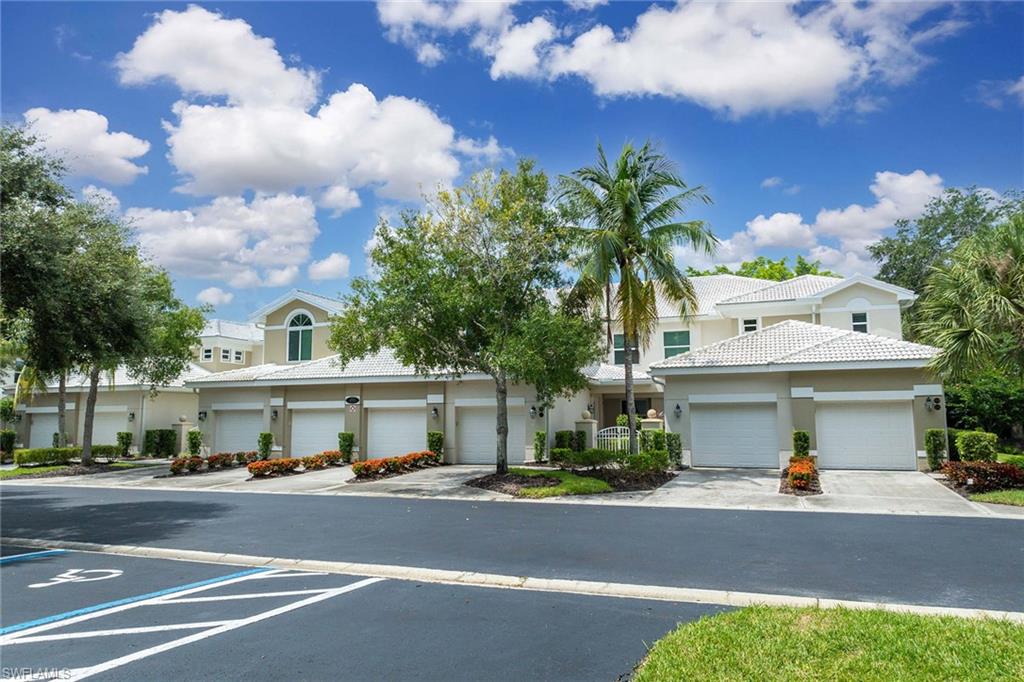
[(627, 365), (90, 412), (608, 311), (62, 429), (501, 396)]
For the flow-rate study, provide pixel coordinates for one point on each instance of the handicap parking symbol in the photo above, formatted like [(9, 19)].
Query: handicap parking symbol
[(78, 575)]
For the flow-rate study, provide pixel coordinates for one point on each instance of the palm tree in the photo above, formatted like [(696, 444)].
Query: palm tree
[(628, 227)]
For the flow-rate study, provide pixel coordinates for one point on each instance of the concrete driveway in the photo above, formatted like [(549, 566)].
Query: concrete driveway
[(889, 492)]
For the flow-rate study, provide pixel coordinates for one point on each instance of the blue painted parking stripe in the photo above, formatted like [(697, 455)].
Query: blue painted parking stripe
[(127, 600), (31, 555)]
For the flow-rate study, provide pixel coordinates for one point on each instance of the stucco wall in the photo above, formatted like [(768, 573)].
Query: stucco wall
[(276, 340), (884, 318)]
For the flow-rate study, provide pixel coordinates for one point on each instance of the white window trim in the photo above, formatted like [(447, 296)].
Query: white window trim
[(238, 357), (226, 351), (207, 354), (866, 322), (287, 335), (666, 346), (744, 319), (623, 351)]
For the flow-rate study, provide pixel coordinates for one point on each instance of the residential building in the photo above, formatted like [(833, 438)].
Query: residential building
[(754, 361)]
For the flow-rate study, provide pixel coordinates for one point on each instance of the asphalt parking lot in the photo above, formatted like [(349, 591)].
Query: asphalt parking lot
[(72, 615)]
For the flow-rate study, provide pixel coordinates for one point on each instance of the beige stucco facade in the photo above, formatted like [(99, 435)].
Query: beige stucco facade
[(275, 333)]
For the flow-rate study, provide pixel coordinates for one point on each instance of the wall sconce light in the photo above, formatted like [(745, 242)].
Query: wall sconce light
[(533, 412), (590, 408), (678, 410), (433, 412), (17, 418), (202, 415), (273, 415), (933, 404), (131, 416)]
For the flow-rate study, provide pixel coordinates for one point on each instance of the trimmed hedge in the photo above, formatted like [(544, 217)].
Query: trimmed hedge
[(540, 442), (801, 444), (652, 440), (47, 455), (159, 442), (266, 444), (935, 447), (561, 455), (650, 460), (593, 458), (7, 438), (565, 440), (954, 453), (346, 443), (124, 443), (674, 445), (435, 441), (980, 477), (194, 442), (977, 446), (395, 465)]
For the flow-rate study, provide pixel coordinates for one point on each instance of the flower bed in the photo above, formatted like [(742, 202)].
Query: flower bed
[(800, 477), (283, 466), (981, 476), (392, 466)]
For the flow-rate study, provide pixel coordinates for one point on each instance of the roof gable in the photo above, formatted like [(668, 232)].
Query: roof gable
[(331, 305)]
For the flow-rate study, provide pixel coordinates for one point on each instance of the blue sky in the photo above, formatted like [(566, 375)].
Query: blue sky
[(255, 145)]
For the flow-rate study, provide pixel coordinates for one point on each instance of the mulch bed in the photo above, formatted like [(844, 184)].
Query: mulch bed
[(72, 470), (510, 484), (623, 481), (786, 489)]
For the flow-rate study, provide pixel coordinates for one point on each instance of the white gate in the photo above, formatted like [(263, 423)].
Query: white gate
[(614, 438)]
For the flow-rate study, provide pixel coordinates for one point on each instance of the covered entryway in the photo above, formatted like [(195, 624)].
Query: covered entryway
[(477, 438), (734, 435), (865, 435), (237, 430), (43, 428), (106, 425), (314, 431), (395, 431)]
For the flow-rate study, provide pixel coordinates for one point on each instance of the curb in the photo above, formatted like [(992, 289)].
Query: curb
[(499, 581)]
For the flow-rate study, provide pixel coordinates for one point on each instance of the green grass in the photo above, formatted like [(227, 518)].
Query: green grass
[(778, 643), (1011, 459), (1012, 497), (22, 471), (571, 484)]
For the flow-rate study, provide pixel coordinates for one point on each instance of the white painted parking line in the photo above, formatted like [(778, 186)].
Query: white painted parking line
[(119, 631), (82, 673), (230, 597)]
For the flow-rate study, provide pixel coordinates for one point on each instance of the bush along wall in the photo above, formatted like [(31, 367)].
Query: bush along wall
[(435, 441), (540, 442), (674, 445), (266, 444), (346, 443), (935, 447), (801, 444), (977, 445), (159, 443), (7, 438), (124, 443), (194, 442)]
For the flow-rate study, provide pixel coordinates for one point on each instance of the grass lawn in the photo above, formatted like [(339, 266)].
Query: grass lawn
[(778, 643), (24, 471), (571, 484), (1013, 497)]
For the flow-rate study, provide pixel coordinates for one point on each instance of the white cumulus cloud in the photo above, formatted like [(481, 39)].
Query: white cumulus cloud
[(781, 229), (103, 197), (82, 139), (334, 266), (215, 296), (516, 52)]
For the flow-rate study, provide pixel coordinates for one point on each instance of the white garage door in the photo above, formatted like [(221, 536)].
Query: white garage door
[(105, 426), (865, 435), (395, 431), (314, 431), (743, 435), (477, 439), (237, 430), (43, 428)]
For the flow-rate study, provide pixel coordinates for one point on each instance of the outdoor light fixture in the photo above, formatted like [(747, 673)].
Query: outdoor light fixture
[(131, 416), (17, 418), (533, 412), (933, 404), (273, 415), (433, 412), (202, 415), (590, 408), (678, 411)]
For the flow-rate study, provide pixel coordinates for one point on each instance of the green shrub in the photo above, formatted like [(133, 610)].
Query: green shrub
[(674, 445), (266, 444), (652, 440), (540, 443), (801, 444), (561, 455), (954, 452), (565, 439), (980, 477), (124, 443), (977, 445), (194, 442), (935, 447), (7, 438), (346, 443), (104, 450), (6, 411), (46, 455), (649, 460), (622, 420), (1016, 460), (435, 441), (159, 443), (56, 439)]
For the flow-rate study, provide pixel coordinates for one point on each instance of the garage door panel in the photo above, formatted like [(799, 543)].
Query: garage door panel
[(106, 425), (238, 430), (735, 435), (392, 432), (477, 438), (314, 431), (862, 435), (43, 428)]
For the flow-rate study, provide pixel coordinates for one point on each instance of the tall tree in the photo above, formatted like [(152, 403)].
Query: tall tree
[(630, 223), (464, 287), (763, 267)]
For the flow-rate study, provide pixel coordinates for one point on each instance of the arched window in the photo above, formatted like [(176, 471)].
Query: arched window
[(300, 338)]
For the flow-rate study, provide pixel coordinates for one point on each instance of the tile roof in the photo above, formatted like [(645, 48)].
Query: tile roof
[(244, 331), (605, 373), (710, 290), (382, 364), (793, 342), (328, 303), (788, 290), (122, 379)]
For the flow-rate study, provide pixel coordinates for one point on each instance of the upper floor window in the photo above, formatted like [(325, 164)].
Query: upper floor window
[(860, 322), (749, 325), (207, 354), (620, 351), (300, 338), (239, 356), (225, 354), (676, 343)]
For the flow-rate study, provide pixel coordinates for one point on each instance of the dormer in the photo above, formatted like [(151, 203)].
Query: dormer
[(296, 327), (225, 345)]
